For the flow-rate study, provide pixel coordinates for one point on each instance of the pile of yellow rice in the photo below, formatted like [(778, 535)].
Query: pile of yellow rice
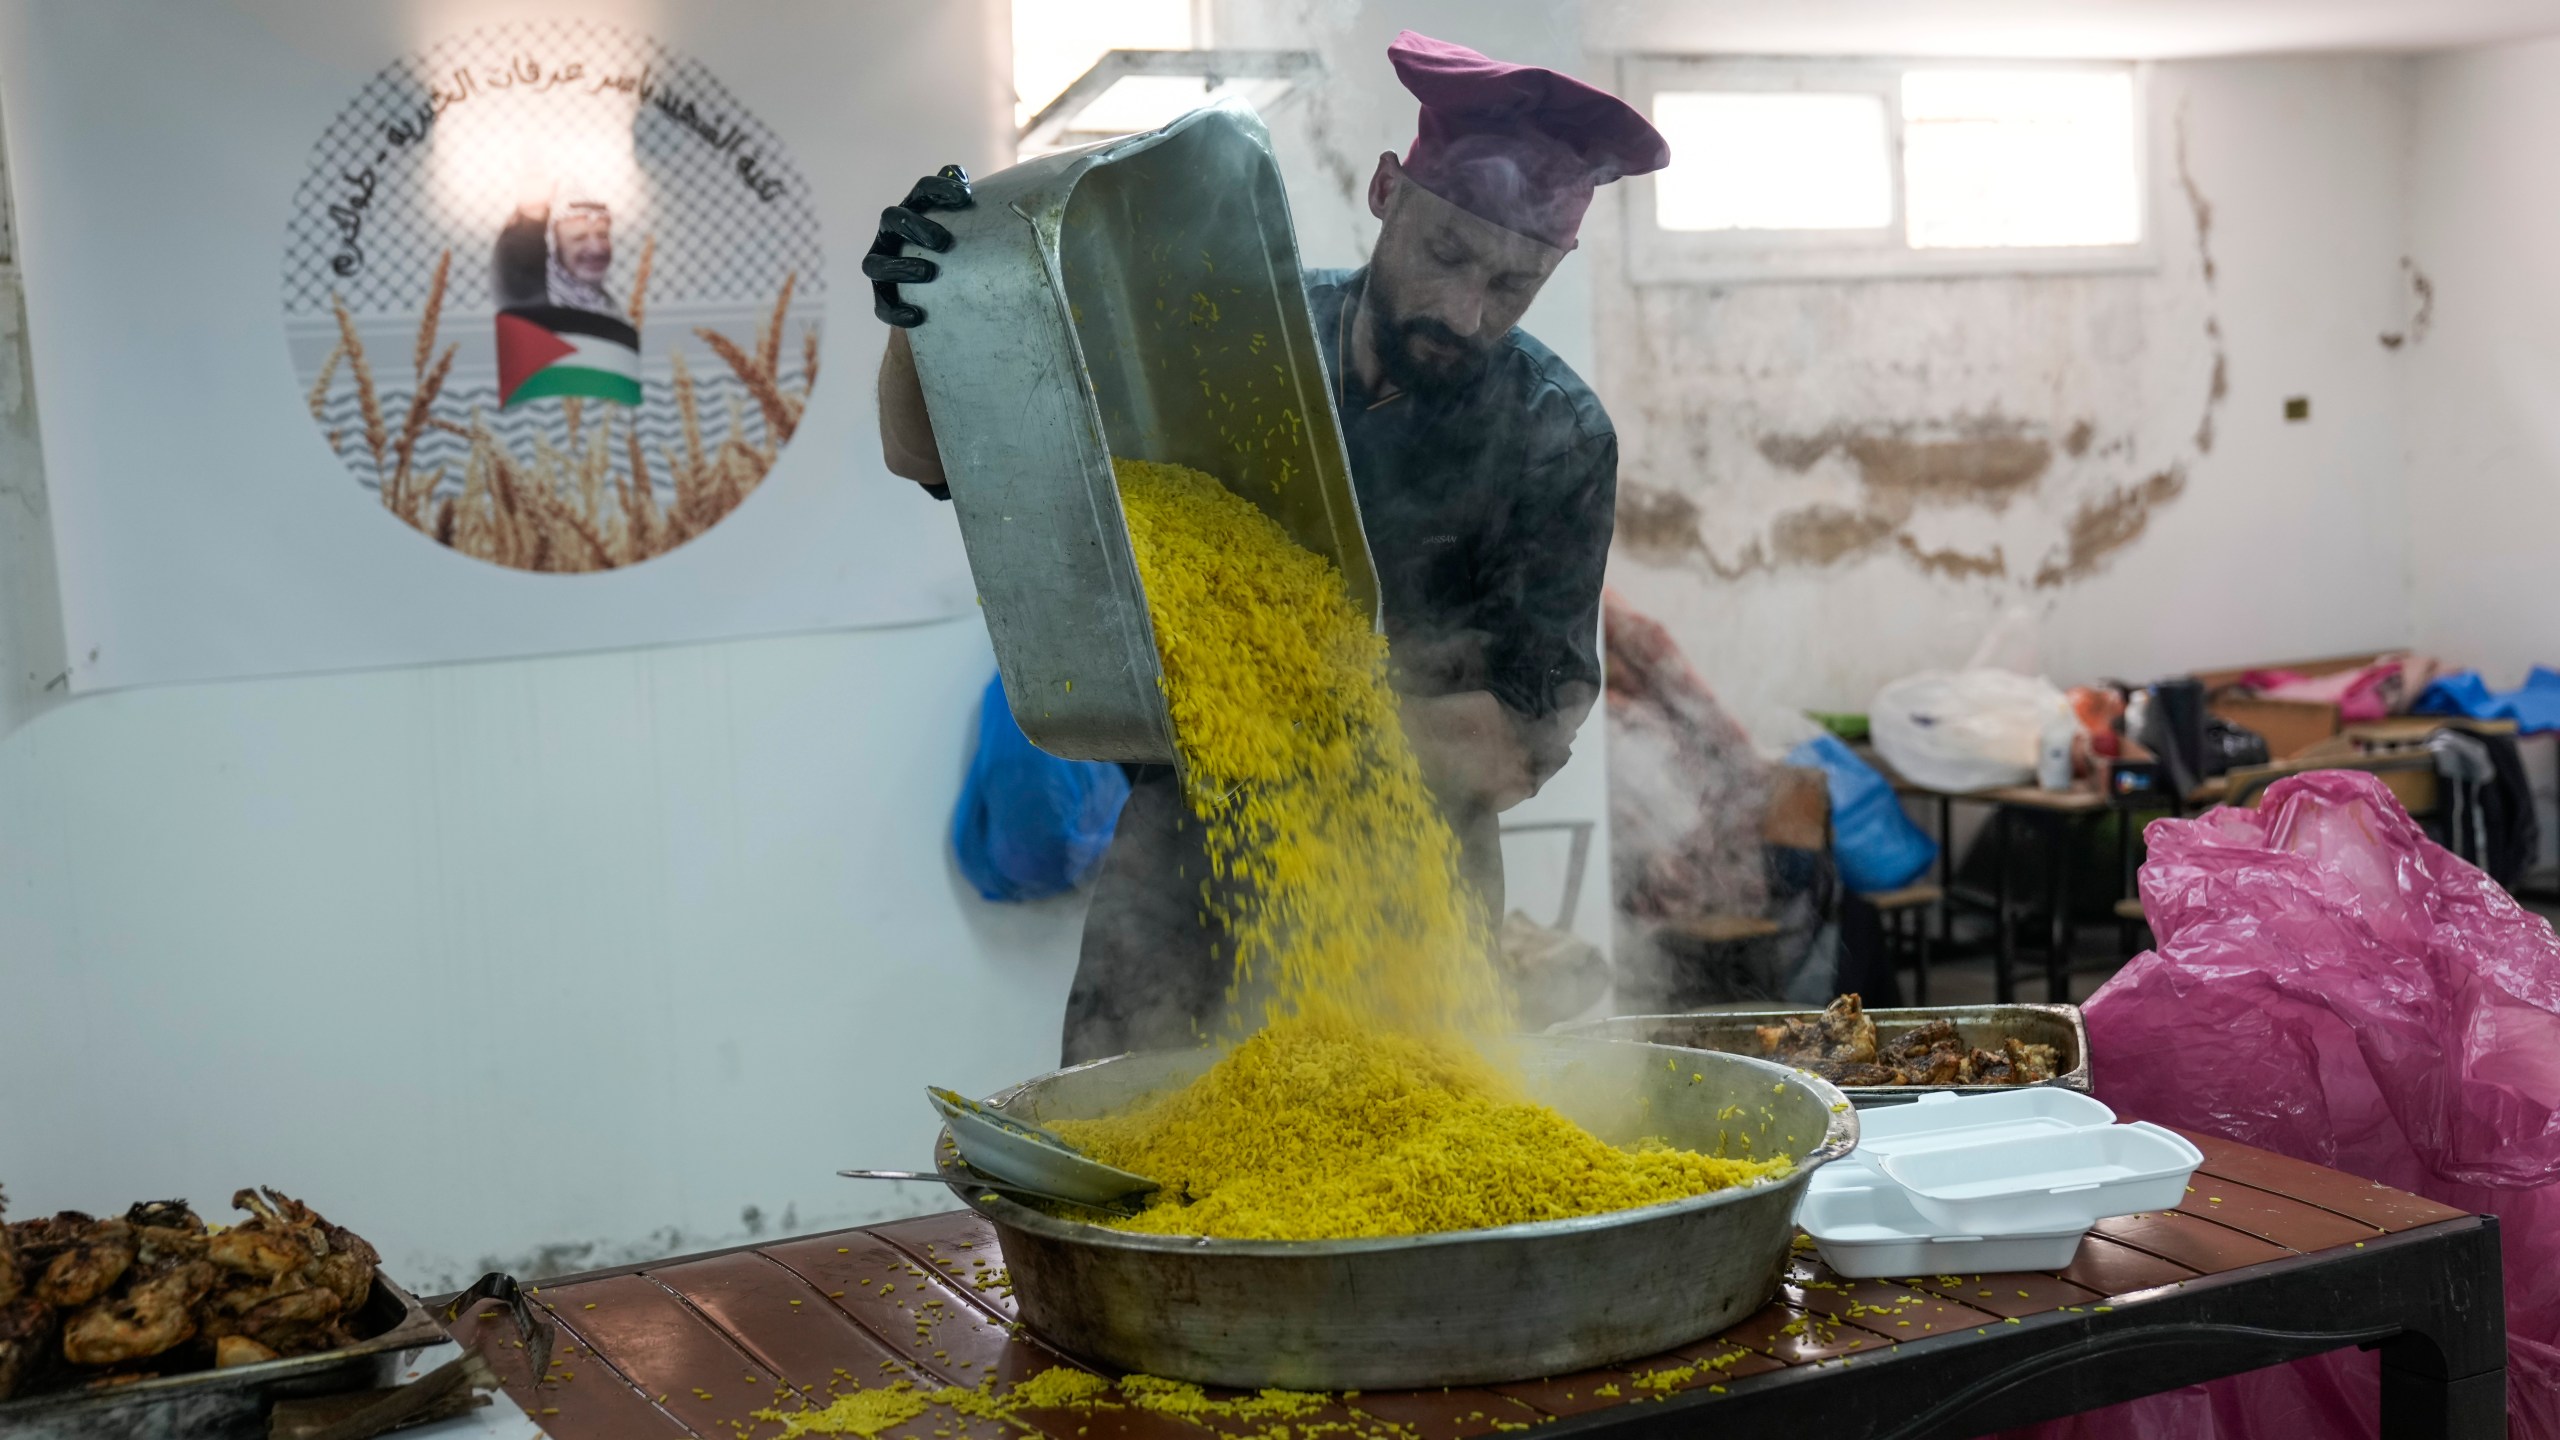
[(1317, 1129), (1358, 1105)]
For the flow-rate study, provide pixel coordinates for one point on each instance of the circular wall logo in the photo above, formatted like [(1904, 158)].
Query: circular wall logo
[(553, 295)]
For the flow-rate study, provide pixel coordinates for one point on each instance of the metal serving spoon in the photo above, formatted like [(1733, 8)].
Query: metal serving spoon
[(975, 1181), (1025, 1155)]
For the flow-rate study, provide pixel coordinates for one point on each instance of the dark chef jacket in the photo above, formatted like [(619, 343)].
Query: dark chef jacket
[(1488, 512)]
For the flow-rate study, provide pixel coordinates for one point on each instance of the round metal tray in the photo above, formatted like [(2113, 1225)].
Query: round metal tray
[(1461, 1307)]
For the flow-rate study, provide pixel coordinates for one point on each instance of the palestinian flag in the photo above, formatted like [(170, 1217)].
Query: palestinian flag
[(555, 350)]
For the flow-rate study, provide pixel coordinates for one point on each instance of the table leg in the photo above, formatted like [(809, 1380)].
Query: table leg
[(2057, 953), (2417, 1406), (2555, 807), (1946, 872), (2004, 958), (2444, 1376), (2128, 890)]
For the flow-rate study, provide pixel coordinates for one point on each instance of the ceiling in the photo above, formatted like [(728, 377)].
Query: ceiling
[(2113, 29)]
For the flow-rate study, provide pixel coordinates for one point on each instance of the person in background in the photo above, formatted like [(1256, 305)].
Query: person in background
[(1486, 471), (557, 249)]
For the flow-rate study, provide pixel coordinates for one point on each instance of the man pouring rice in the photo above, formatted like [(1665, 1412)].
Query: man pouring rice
[(1486, 472)]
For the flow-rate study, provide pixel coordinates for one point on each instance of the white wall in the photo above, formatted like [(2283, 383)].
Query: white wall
[(546, 963), (496, 961), (1831, 485), (2484, 381)]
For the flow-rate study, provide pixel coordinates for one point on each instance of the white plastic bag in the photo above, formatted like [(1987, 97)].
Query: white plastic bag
[(1963, 729)]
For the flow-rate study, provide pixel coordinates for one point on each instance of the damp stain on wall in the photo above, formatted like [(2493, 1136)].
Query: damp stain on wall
[(2107, 523), (1985, 461), (1658, 526), (2422, 299), (1953, 564), (1827, 534), (2199, 208)]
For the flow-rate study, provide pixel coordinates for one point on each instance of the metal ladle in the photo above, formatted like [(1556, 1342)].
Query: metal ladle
[(1031, 1158), (963, 1176)]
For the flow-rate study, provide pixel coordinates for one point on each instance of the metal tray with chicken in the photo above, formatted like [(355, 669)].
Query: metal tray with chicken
[(156, 1322), (1881, 1057)]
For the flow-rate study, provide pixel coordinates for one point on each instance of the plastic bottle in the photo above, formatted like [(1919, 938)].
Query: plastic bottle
[(2053, 749)]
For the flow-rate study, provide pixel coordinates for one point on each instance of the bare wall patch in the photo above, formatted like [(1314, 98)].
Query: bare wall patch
[(1827, 534), (1970, 460), (2108, 523), (1657, 526), (1954, 564)]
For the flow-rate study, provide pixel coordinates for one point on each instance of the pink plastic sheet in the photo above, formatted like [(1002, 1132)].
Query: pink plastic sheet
[(2385, 687), (2332, 985)]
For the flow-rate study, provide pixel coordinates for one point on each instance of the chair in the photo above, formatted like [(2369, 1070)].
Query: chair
[(2411, 775), (1907, 914), (1799, 818), (1577, 860)]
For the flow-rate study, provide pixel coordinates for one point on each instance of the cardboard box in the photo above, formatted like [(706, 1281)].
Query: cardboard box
[(2291, 726)]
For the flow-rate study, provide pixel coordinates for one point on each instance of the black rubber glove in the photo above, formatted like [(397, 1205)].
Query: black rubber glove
[(944, 189)]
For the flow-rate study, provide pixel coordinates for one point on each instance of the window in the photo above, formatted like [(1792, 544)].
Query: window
[(1828, 169), (1087, 70), (1775, 160), (1055, 41), (2019, 159)]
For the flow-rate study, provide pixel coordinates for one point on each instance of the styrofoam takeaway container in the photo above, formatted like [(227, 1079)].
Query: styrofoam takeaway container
[(1942, 1119), (1868, 1231), (2066, 1180)]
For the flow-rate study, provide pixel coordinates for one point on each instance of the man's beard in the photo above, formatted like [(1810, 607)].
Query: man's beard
[(1418, 353)]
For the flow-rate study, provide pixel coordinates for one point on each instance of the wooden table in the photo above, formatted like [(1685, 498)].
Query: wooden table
[(2059, 808), (2268, 1260)]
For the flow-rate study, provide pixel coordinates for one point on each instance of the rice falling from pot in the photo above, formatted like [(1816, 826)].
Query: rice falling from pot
[(1360, 1105)]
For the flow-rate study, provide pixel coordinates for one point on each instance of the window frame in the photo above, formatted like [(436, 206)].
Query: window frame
[(1656, 256)]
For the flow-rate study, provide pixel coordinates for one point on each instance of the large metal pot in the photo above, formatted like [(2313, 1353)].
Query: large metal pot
[(1138, 298), (1463, 1307)]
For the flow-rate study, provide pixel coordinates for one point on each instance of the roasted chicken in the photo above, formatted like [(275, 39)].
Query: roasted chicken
[(1841, 1035), (1841, 1046), (151, 1316), (89, 1266), (12, 1284), (26, 1343), (85, 1301)]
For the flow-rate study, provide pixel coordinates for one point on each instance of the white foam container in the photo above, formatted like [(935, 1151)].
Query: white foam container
[(1938, 1120), (2042, 1183), (1868, 1231)]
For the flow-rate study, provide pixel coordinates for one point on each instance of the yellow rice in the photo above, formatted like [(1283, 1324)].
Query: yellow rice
[(1295, 760), (1360, 1108), (1261, 1415), (1318, 1129)]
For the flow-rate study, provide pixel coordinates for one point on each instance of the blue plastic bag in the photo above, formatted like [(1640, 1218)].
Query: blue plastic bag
[(2534, 706), (1030, 825), (1872, 841)]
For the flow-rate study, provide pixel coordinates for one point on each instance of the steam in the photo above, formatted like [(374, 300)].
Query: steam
[(1686, 793), (1484, 175)]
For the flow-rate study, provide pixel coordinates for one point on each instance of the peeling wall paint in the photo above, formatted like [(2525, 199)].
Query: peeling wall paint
[(1943, 468), (1858, 465), (2422, 307)]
